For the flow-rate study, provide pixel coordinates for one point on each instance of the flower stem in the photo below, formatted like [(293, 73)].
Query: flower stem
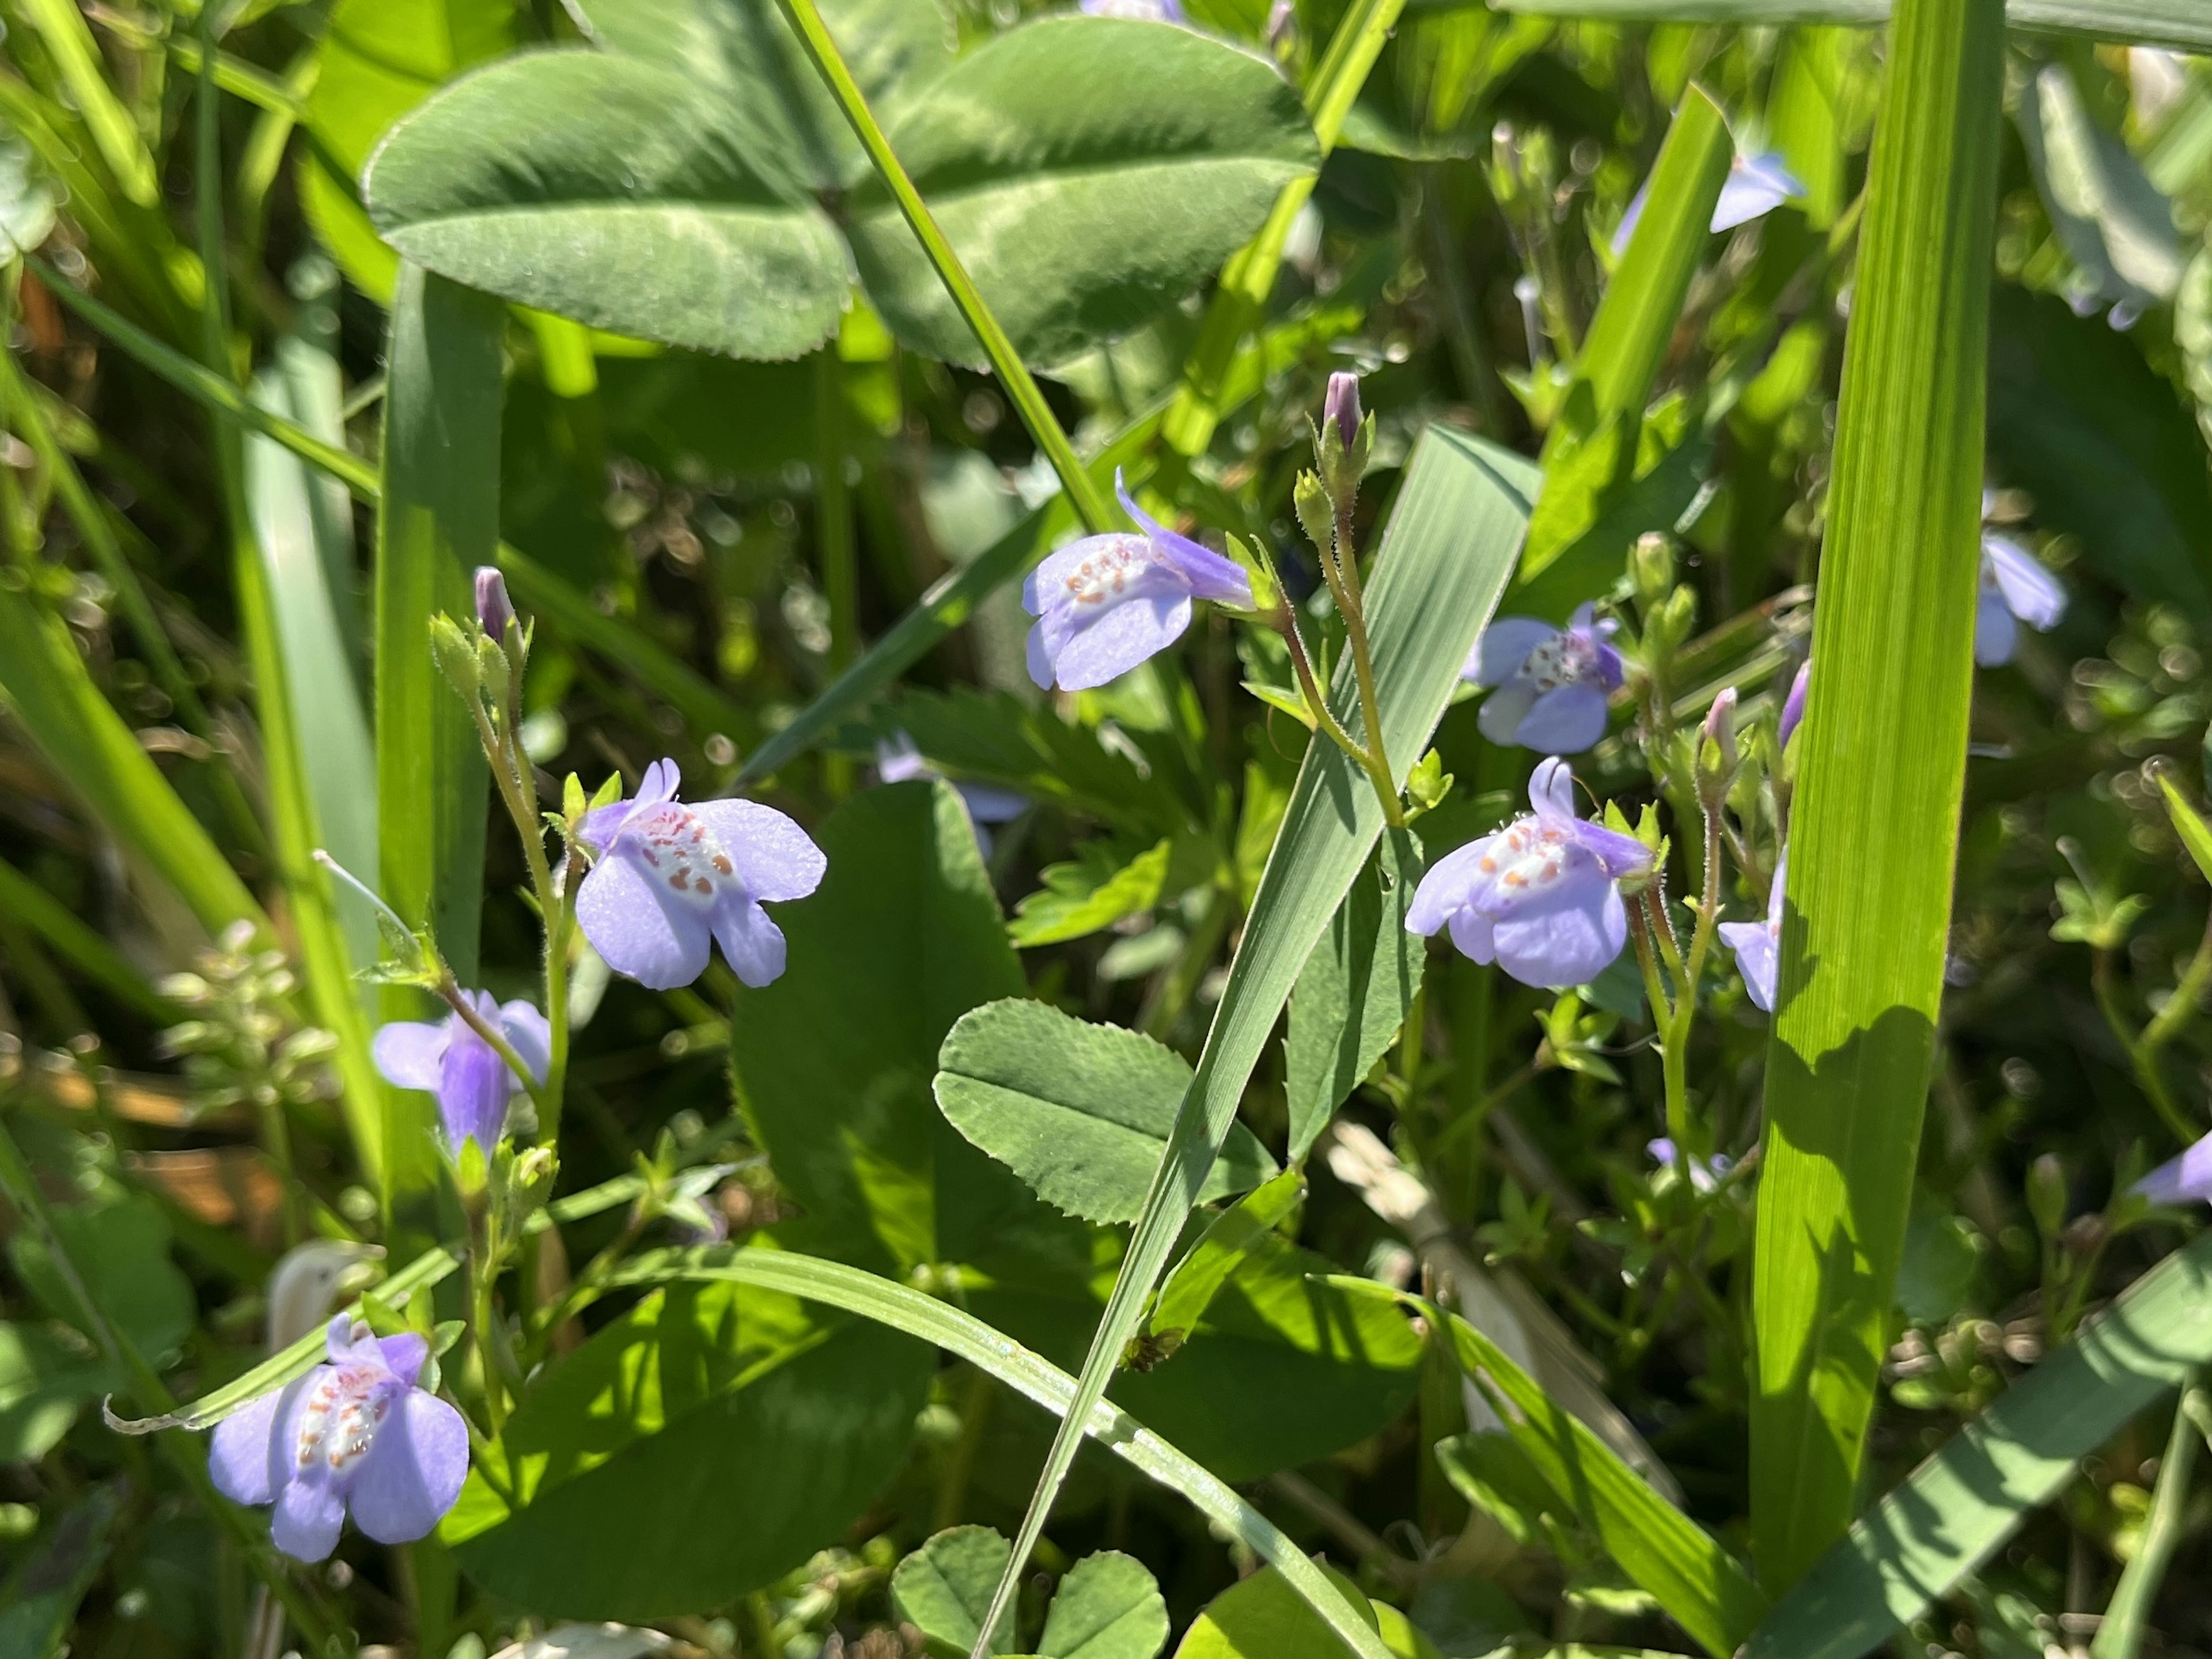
[(2142, 1055), (1340, 566), (1286, 624), (1089, 500), (1668, 1018), (2166, 1023)]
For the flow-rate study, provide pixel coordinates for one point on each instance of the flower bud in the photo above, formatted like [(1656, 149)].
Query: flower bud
[(1651, 562), (494, 611), (1717, 756), (456, 657), (1793, 706), (1342, 409), (1282, 18), (1310, 497), (2046, 1194)]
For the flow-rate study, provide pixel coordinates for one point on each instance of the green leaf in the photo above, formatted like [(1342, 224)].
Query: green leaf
[(379, 59), (1880, 774), (1590, 452), (651, 219), (1262, 1618), (1353, 993), (969, 1339), (2179, 24), (2116, 224), (1454, 532), (1106, 1607), (1079, 1112), (2188, 822), (2109, 452), (1081, 897), (1702, 1587), (944, 1587), (902, 939), (634, 1436), (39, 1600), (44, 684), (1957, 1510), (43, 1387), (1087, 171), (120, 1248), (1227, 1243)]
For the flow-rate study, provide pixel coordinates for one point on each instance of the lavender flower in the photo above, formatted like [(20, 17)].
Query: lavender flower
[(2183, 1180), (1143, 11), (1105, 604), (669, 878), (1341, 408), (1758, 945), (2015, 589), (1541, 896), (494, 609), (1705, 1173), (1793, 706), (898, 759), (1550, 682), (356, 1434), (1755, 186), (447, 1059)]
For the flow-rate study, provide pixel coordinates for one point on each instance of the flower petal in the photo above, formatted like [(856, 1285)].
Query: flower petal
[(1039, 660), (658, 784), (530, 1036), (403, 1355), (1471, 930), (1617, 855), (309, 1515), (473, 1086), (2031, 592), (1442, 890), (1564, 720), (1997, 635), (987, 804), (1503, 711), (246, 1457), (1503, 647), (1050, 578), (1552, 788), (658, 946), (2183, 1180), (776, 859), (1564, 945), (1757, 952), (1752, 190), (412, 1471), (407, 1053), (897, 759), (753, 944), (1139, 628)]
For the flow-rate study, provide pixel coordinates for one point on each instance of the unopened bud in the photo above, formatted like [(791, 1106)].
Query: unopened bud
[(1651, 563), (494, 611), (1282, 18), (1310, 497), (1793, 706), (2046, 1194), (1717, 756), (456, 655), (1342, 409)]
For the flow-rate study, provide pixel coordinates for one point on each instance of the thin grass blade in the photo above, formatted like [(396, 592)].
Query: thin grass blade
[(1874, 829), (2182, 24)]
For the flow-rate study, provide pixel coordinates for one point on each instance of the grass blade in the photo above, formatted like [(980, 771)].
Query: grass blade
[(1452, 538), (61, 25), (888, 1303), (2128, 1615), (1704, 1589), (1884, 751), (2183, 24), (1956, 1510), (83, 948)]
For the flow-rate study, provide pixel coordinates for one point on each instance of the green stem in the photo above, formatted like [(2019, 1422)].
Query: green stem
[(1089, 500), (1665, 1020), (1286, 624), (2166, 1023), (2142, 1058), (2126, 1617), (482, 1271), (1343, 571)]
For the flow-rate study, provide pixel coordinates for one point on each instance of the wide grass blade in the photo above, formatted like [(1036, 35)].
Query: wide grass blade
[(1454, 533), (888, 1303), (2185, 24), (1704, 1589), (1957, 1508), (1883, 755)]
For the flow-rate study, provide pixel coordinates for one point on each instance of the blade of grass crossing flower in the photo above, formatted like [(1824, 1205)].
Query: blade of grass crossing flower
[(47, 687), (1591, 449), (295, 832), (1957, 1510), (1874, 830), (2183, 24), (438, 519), (888, 1303), (1704, 1589), (1453, 535), (1240, 300)]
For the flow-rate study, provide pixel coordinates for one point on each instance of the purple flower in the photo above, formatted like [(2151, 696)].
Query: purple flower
[(494, 609), (1341, 409), (897, 759), (447, 1059), (1105, 604), (2015, 589), (2183, 1180), (1704, 1174), (1793, 706), (1541, 896), (669, 878), (1758, 945), (1143, 11), (1755, 186), (355, 1434), (1550, 682)]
